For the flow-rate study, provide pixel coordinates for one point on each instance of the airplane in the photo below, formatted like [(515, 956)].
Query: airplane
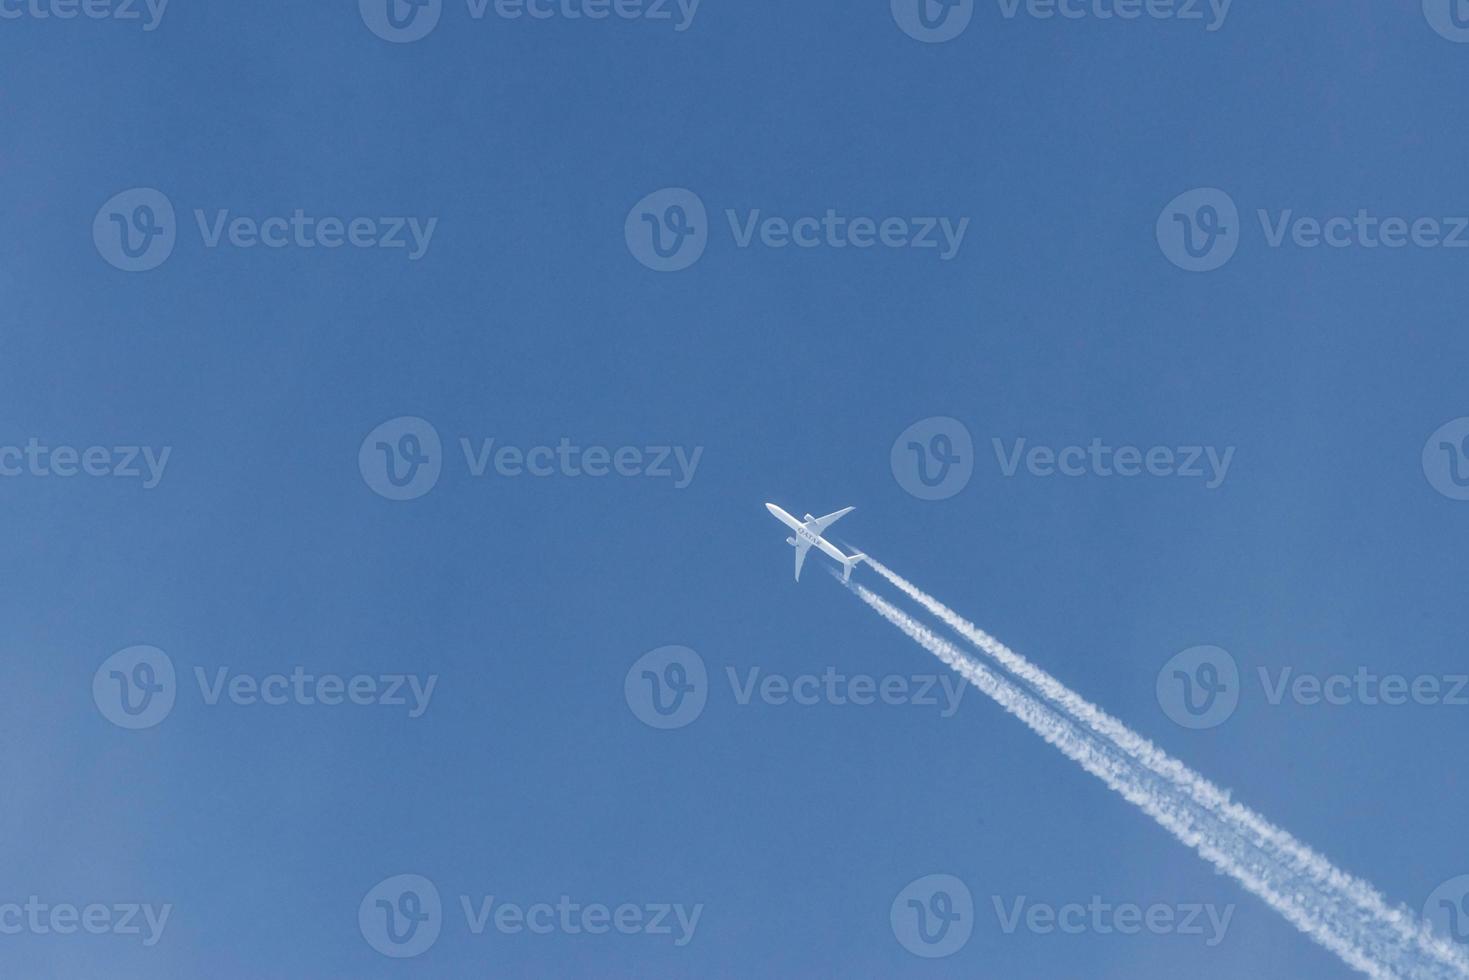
[(809, 531)]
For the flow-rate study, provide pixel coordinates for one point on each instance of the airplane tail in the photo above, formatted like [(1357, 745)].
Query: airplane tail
[(849, 563)]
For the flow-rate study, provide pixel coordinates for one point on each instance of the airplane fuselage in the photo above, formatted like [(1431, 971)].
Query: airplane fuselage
[(806, 536), (802, 534)]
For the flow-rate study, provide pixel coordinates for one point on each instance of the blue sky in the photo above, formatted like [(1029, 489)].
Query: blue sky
[(530, 315)]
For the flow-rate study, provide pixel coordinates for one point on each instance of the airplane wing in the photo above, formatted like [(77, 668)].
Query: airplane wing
[(820, 524), (801, 548)]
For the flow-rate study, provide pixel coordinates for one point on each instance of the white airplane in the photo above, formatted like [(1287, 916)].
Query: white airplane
[(808, 532)]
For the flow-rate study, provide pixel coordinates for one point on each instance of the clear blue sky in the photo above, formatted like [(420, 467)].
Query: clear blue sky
[(529, 320)]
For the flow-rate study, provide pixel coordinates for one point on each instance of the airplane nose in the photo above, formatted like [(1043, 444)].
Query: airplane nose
[(772, 508)]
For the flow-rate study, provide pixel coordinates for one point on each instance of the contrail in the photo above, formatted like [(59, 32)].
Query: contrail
[(1343, 914), (1410, 930)]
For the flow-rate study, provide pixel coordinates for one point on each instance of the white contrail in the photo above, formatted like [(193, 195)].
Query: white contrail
[(1314, 906), (1410, 930)]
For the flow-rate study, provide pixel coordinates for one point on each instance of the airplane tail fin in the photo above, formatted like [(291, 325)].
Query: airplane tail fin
[(849, 563)]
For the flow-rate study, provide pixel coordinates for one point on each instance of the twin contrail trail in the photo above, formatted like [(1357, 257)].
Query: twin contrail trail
[(1344, 914)]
